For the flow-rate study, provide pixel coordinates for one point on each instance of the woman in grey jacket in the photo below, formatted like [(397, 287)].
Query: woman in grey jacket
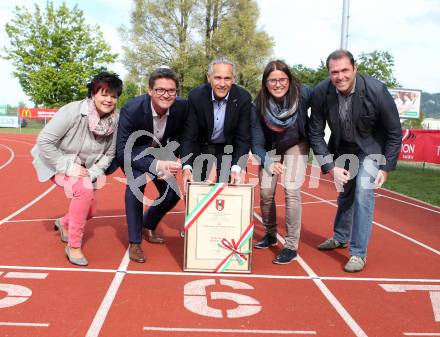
[(279, 141), (74, 149)]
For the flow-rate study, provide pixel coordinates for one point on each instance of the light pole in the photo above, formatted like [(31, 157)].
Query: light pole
[(344, 27)]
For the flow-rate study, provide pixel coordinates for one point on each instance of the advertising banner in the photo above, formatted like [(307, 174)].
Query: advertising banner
[(8, 122), (407, 102), (41, 113), (421, 146)]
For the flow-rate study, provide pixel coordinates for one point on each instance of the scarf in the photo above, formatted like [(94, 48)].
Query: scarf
[(101, 126), (278, 118)]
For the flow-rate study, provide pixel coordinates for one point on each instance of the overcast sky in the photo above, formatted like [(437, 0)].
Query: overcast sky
[(304, 32)]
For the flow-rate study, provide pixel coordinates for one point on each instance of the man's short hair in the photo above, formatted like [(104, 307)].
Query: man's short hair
[(338, 54), (221, 60), (162, 73)]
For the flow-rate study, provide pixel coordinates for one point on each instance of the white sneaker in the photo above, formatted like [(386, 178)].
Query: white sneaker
[(355, 264)]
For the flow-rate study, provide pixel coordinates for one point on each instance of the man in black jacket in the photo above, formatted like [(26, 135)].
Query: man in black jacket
[(364, 146), (217, 126), (149, 132)]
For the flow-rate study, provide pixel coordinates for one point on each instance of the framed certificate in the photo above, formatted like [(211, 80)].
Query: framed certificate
[(218, 228)]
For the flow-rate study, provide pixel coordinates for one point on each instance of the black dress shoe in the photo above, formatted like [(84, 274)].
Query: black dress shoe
[(136, 253), (268, 240), (286, 256)]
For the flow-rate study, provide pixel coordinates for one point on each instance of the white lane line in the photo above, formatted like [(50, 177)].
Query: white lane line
[(421, 333), (258, 276), (421, 244), (353, 325), (10, 159), (95, 217), (41, 196), (316, 202), (87, 270), (412, 204), (21, 275), (44, 325), (395, 199), (123, 215), (277, 332), (109, 297), (16, 141)]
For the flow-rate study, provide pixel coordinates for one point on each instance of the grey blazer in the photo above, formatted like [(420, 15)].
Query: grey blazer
[(66, 139)]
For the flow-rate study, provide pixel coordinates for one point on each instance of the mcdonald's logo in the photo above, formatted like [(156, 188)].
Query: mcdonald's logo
[(26, 113)]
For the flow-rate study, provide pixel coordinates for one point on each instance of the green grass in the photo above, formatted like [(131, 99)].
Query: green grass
[(415, 181)]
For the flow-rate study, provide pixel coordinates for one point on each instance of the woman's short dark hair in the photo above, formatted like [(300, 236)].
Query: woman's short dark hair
[(162, 73), (338, 54), (105, 81), (263, 95)]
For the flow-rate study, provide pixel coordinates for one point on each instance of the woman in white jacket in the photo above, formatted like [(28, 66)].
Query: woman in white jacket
[(74, 149)]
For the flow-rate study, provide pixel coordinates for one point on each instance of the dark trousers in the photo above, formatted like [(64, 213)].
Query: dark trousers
[(136, 218), (216, 150)]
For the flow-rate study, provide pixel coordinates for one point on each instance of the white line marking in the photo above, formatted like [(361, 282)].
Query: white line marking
[(258, 276), (421, 333), (44, 325), (109, 297), (10, 159), (316, 202), (17, 141), (412, 204), (41, 196), (37, 276), (394, 192), (87, 270), (435, 251), (326, 292), (95, 217), (402, 288), (278, 332)]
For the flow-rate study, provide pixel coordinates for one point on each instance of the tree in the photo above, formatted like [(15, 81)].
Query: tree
[(310, 76), (159, 35), (55, 53), (378, 64), (237, 37), (130, 91), (187, 34)]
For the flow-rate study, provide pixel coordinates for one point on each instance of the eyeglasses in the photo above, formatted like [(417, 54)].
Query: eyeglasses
[(162, 91), (274, 81)]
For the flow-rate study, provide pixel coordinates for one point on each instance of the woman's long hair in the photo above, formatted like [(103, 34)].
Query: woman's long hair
[(263, 94)]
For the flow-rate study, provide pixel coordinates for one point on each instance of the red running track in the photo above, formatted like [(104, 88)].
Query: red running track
[(41, 294)]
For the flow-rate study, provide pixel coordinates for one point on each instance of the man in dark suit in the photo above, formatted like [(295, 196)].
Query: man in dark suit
[(147, 148), (217, 126), (365, 138)]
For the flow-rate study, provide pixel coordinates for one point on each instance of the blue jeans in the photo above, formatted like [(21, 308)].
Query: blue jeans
[(354, 216)]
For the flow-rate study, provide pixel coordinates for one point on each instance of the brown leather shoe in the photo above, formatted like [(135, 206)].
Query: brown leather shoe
[(151, 236), (136, 253)]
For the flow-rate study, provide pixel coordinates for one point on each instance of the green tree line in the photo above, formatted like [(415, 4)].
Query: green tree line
[(55, 52)]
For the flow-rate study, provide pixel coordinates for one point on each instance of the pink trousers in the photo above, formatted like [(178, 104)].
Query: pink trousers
[(82, 205)]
